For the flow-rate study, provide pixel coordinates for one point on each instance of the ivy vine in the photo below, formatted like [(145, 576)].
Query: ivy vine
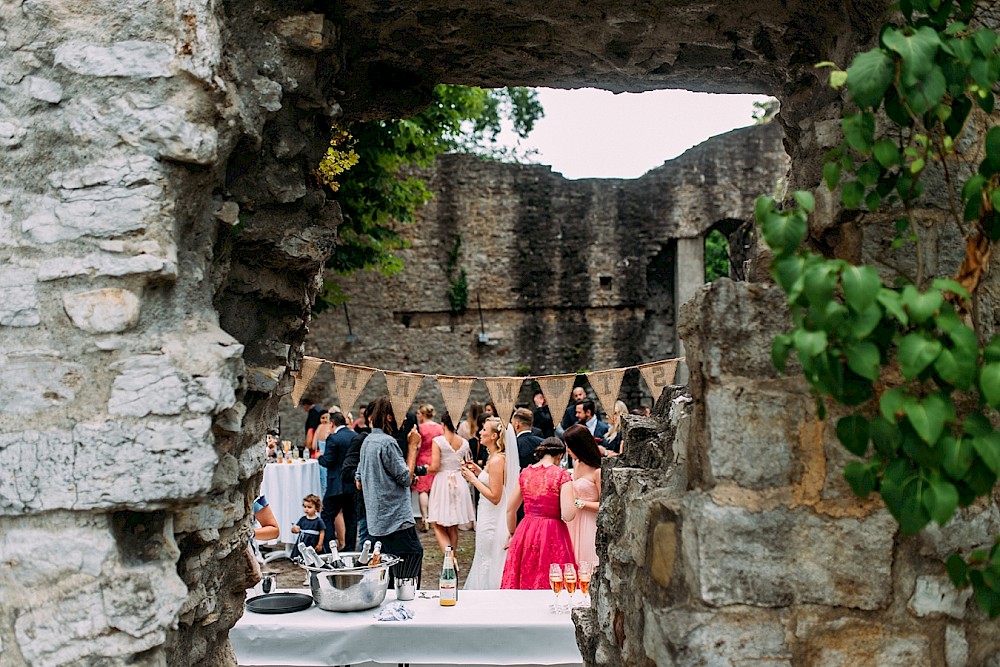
[(920, 389)]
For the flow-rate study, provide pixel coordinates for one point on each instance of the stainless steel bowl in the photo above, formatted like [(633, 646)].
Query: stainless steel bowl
[(350, 588)]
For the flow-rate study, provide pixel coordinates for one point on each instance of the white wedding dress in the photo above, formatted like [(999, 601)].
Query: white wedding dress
[(491, 525)]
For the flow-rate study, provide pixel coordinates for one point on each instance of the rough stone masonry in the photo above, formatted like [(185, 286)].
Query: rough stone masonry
[(161, 243)]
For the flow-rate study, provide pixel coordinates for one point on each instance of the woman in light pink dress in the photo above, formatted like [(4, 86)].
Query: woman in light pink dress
[(587, 484), (541, 538), (450, 508)]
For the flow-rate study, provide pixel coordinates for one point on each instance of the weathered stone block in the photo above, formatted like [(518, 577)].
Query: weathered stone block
[(128, 58), (18, 298), (108, 310), (45, 90), (787, 556), (683, 638), (854, 642), (106, 264), (956, 646), (304, 31), (753, 435), (12, 133), (37, 383), (970, 528), (937, 595)]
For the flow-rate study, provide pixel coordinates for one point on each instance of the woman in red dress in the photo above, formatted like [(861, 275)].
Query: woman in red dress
[(542, 537), (429, 429)]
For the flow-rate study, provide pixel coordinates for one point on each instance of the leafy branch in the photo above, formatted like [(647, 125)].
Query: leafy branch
[(921, 390)]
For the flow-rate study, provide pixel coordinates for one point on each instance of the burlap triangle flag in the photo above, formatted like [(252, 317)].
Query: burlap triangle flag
[(455, 391), (310, 365), (402, 388), (557, 390), (504, 392), (606, 385), (350, 382), (659, 375)]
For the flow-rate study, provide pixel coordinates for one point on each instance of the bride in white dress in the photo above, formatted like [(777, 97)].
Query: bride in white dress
[(495, 483)]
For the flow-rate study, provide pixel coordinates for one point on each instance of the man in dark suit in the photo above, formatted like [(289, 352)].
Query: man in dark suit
[(542, 417), (569, 416), (586, 414), (339, 497), (527, 441)]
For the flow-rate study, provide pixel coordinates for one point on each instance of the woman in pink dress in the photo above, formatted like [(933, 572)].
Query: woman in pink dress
[(429, 429), (587, 484), (541, 538)]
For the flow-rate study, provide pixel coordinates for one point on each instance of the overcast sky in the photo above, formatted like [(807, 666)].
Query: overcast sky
[(590, 133)]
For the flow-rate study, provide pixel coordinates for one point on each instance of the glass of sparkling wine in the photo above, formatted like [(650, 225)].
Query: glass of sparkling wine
[(556, 581), (569, 581), (586, 570)]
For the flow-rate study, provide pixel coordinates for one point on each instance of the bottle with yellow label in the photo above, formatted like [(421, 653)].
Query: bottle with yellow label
[(448, 588)]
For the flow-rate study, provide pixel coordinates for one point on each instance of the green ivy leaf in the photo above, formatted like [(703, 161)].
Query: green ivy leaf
[(928, 417), (786, 271), (861, 285), (891, 404), (993, 148), (958, 570), (956, 456), (783, 232), (916, 50), (940, 499), (921, 306), (761, 207), (887, 153), (893, 304), (805, 199), (869, 76), (904, 501), (864, 323), (977, 424), (864, 359), (988, 448), (989, 383), (949, 285), (992, 350), (868, 174), (831, 175), (809, 344), (852, 431), (859, 131), (985, 40), (861, 477), (926, 94), (917, 352), (851, 195)]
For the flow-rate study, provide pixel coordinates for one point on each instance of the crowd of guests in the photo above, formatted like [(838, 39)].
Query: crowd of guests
[(531, 491)]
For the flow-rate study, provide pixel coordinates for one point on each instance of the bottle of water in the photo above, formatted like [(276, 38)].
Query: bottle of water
[(448, 585)]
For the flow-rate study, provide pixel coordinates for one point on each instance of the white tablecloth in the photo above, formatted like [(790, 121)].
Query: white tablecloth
[(484, 628), (285, 485)]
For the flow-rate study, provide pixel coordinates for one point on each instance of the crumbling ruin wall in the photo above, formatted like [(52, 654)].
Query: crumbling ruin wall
[(562, 274), (160, 244)]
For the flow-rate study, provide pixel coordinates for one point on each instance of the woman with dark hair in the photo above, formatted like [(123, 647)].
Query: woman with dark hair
[(587, 483), (541, 538), (449, 507), (429, 429)]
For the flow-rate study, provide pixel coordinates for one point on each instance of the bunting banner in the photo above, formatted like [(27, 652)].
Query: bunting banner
[(607, 385), (659, 375), (503, 391), (350, 382), (402, 388), (557, 390), (310, 365), (455, 391)]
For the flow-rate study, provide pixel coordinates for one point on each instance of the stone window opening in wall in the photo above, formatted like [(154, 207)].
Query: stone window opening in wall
[(605, 282)]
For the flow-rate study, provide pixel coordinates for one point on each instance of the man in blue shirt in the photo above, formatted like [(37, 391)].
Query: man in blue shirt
[(386, 477)]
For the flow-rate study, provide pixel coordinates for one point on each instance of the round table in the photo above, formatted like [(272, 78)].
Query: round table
[(285, 485)]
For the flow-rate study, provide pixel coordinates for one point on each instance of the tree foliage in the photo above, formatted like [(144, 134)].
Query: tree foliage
[(716, 256), (381, 190), (920, 390)]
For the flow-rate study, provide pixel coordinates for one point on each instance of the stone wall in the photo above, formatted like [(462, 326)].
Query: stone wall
[(748, 546), (566, 274)]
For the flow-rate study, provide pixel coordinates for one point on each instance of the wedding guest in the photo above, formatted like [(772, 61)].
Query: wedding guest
[(494, 483), (320, 434), (385, 478), (586, 414), (361, 423), (613, 438), (527, 441), (310, 527), (587, 485), (356, 527), (542, 416), (450, 506), (267, 525), (569, 416), (429, 429), (467, 429), (338, 499), (546, 489), (312, 419)]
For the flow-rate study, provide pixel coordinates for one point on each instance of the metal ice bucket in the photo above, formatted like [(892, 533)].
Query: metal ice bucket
[(350, 588)]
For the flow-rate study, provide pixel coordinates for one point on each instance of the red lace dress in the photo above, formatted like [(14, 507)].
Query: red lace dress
[(542, 537)]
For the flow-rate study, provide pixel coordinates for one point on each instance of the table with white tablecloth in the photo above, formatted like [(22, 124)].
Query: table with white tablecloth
[(484, 628), (285, 485)]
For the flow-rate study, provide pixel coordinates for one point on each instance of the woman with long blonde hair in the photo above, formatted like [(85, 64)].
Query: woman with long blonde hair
[(613, 438), (494, 483)]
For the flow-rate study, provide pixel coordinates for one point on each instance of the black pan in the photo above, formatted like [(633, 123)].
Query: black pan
[(279, 603)]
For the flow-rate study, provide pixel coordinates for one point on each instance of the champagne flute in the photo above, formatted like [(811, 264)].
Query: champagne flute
[(586, 571), (556, 581), (569, 580)]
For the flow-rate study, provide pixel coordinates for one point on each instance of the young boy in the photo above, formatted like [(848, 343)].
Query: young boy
[(310, 528)]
